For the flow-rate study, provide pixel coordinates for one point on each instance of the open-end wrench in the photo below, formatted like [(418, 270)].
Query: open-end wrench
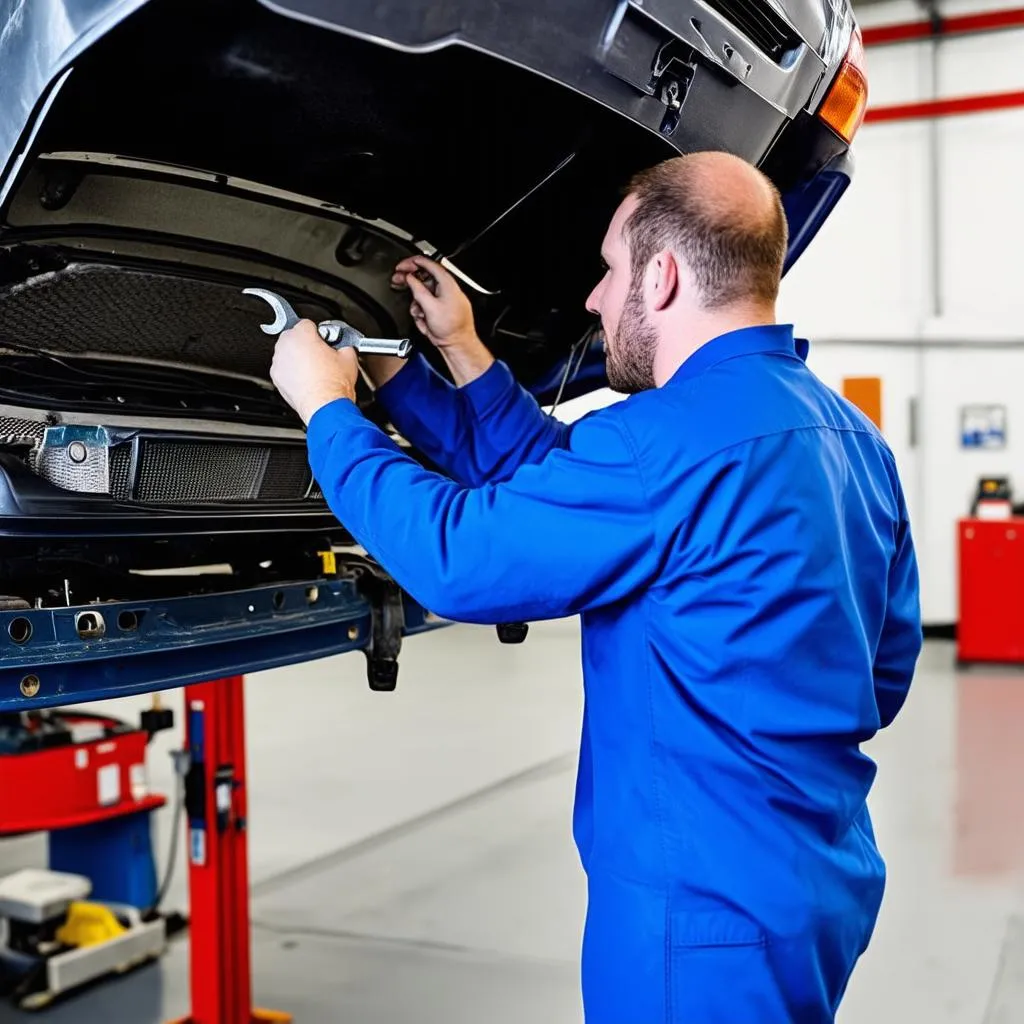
[(335, 333)]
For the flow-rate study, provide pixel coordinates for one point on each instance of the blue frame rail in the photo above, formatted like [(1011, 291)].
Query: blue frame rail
[(178, 641)]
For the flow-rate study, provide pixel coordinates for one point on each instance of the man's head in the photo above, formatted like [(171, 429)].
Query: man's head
[(694, 250)]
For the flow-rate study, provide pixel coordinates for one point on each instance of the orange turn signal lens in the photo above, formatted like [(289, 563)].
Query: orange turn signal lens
[(847, 100)]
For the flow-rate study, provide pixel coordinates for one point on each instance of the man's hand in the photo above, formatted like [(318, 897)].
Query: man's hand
[(443, 315), (309, 373), (439, 307)]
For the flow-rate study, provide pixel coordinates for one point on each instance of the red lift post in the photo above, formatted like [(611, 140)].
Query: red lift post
[(220, 961)]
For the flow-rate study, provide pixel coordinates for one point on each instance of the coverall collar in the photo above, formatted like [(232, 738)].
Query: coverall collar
[(747, 341)]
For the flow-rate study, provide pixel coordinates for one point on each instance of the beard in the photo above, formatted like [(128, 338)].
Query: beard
[(629, 363)]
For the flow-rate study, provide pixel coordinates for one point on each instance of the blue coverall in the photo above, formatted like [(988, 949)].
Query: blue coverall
[(737, 544)]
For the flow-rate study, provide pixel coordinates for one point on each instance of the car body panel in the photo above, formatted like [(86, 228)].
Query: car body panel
[(579, 36), (39, 39)]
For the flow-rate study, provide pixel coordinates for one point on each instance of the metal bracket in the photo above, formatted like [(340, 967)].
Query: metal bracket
[(666, 75), (671, 77), (387, 624), (512, 632)]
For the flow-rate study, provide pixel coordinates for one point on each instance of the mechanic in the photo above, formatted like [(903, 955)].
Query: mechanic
[(735, 537)]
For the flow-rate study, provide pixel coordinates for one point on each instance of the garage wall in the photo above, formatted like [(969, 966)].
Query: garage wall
[(918, 277)]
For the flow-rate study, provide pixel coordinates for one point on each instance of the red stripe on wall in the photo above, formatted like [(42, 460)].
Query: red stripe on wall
[(946, 108), (965, 24)]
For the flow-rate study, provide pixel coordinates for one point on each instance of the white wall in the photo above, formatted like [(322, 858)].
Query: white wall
[(918, 277), (924, 254)]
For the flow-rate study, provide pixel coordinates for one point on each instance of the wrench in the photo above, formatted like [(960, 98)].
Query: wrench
[(335, 333)]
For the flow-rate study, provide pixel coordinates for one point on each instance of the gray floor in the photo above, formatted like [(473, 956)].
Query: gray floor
[(412, 859)]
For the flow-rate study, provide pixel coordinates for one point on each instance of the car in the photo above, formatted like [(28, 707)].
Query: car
[(159, 523)]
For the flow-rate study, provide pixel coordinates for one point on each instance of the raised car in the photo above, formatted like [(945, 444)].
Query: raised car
[(159, 523)]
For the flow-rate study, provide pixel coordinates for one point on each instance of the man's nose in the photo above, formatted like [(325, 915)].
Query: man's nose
[(594, 301)]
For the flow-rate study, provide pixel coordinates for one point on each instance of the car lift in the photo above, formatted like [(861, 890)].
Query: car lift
[(242, 631), (218, 875), (215, 806)]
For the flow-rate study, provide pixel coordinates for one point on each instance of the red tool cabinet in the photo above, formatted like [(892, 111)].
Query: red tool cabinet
[(991, 557), (61, 787)]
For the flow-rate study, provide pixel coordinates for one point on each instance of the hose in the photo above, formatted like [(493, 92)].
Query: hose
[(182, 762)]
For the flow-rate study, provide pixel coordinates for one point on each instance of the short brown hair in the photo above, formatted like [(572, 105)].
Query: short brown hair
[(733, 258)]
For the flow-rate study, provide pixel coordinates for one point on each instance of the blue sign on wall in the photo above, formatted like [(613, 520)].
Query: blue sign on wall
[(983, 426)]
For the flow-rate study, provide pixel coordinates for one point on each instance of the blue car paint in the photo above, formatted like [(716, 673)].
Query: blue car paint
[(808, 205)]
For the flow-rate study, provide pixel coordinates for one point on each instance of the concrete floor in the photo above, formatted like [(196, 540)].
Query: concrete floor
[(412, 859)]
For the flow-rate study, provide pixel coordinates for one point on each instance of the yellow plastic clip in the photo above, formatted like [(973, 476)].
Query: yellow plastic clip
[(89, 924), (329, 562)]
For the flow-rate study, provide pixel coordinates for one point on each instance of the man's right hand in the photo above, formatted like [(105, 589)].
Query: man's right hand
[(443, 315)]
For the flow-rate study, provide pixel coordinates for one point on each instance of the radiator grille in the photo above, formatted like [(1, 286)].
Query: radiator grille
[(760, 24), (19, 431), (121, 472), (196, 472), (147, 315), (287, 475), (183, 471)]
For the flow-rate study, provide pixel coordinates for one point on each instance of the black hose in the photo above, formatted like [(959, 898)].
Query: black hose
[(172, 853)]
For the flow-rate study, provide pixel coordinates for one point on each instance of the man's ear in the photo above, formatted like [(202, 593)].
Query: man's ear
[(665, 284)]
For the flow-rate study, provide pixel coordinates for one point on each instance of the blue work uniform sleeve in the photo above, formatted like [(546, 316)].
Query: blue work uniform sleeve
[(901, 638), (571, 532), (481, 432)]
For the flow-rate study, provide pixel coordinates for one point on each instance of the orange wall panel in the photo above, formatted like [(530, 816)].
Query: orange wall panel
[(866, 394)]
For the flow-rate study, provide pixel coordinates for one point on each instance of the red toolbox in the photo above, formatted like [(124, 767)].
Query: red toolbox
[(77, 783), (991, 557)]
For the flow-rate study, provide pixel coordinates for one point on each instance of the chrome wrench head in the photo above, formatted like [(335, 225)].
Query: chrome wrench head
[(336, 333), (284, 316)]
